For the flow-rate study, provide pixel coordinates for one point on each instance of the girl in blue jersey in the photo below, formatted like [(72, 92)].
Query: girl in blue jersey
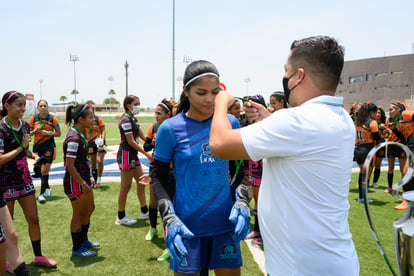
[(128, 160), (15, 179), (78, 181), (204, 223)]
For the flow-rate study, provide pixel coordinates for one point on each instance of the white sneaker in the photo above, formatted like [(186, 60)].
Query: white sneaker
[(47, 193), (41, 199), (125, 221), (145, 215), (375, 185)]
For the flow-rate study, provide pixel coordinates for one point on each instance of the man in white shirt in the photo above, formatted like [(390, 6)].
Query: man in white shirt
[(307, 153)]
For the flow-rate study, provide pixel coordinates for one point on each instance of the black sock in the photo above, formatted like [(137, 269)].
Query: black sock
[(144, 209), (21, 270), (153, 212), (390, 179), (37, 248), (121, 214), (42, 185), (360, 185), (95, 173), (77, 239), (85, 230), (256, 222), (377, 173)]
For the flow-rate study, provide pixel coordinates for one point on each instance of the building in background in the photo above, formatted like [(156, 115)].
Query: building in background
[(378, 80)]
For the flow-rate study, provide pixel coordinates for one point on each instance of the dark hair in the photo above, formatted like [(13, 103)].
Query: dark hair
[(193, 70), (42, 100), (322, 56), (383, 117), (128, 100), (280, 96), (166, 105), (74, 112), (257, 99), (9, 98), (363, 113)]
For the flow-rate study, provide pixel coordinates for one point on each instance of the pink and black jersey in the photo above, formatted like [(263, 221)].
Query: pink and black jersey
[(128, 125), (15, 173), (255, 172), (75, 147)]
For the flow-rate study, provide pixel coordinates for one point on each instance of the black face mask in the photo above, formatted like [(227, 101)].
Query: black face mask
[(286, 87)]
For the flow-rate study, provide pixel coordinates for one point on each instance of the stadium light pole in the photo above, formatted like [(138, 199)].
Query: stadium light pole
[(126, 77), (74, 58), (247, 80), (40, 83)]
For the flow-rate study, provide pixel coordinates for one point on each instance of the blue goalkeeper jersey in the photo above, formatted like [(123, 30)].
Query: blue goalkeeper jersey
[(202, 199)]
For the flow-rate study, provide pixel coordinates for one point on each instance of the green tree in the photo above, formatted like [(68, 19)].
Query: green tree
[(90, 102)]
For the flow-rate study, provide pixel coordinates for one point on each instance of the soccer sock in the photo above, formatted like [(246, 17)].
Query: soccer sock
[(144, 209), (42, 184), (256, 222), (77, 239), (377, 173), (37, 248), (95, 173), (360, 186), (21, 270), (98, 180), (153, 212), (390, 179), (121, 214), (85, 230)]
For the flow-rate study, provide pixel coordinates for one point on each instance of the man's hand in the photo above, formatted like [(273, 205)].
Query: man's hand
[(255, 111)]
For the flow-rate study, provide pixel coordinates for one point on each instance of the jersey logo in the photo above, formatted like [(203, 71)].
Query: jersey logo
[(1, 142), (205, 156), (73, 146), (126, 126)]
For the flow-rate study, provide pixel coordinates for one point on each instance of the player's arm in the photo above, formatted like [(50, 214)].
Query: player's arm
[(133, 144), (225, 142), (373, 126)]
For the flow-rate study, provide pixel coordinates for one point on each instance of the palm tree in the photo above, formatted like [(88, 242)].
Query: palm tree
[(111, 93), (74, 92), (63, 99)]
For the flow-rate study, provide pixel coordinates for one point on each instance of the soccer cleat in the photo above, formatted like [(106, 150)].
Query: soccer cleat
[(258, 241), (164, 256), (361, 200), (144, 215), (252, 235), (90, 244), (402, 206), (125, 221), (151, 233), (41, 198), (83, 252), (44, 261), (388, 190), (375, 185), (9, 269), (47, 193)]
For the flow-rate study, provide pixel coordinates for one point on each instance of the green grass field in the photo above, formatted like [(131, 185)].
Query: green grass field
[(125, 252)]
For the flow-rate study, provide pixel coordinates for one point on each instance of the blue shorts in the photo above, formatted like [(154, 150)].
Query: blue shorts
[(219, 251)]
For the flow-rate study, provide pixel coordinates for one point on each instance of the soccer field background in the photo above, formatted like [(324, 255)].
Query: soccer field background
[(125, 252)]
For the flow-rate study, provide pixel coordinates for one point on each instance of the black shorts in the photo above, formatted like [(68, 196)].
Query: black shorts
[(396, 151), (47, 150), (92, 148), (361, 152)]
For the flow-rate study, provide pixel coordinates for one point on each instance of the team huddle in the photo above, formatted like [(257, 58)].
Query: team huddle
[(206, 163)]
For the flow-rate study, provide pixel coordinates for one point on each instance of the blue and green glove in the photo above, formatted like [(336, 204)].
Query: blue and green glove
[(240, 213), (175, 230)]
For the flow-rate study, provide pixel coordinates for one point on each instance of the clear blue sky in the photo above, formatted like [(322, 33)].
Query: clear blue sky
[(242, 38)]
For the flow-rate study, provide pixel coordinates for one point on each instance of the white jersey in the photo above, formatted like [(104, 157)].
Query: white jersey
[(307, 154)]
